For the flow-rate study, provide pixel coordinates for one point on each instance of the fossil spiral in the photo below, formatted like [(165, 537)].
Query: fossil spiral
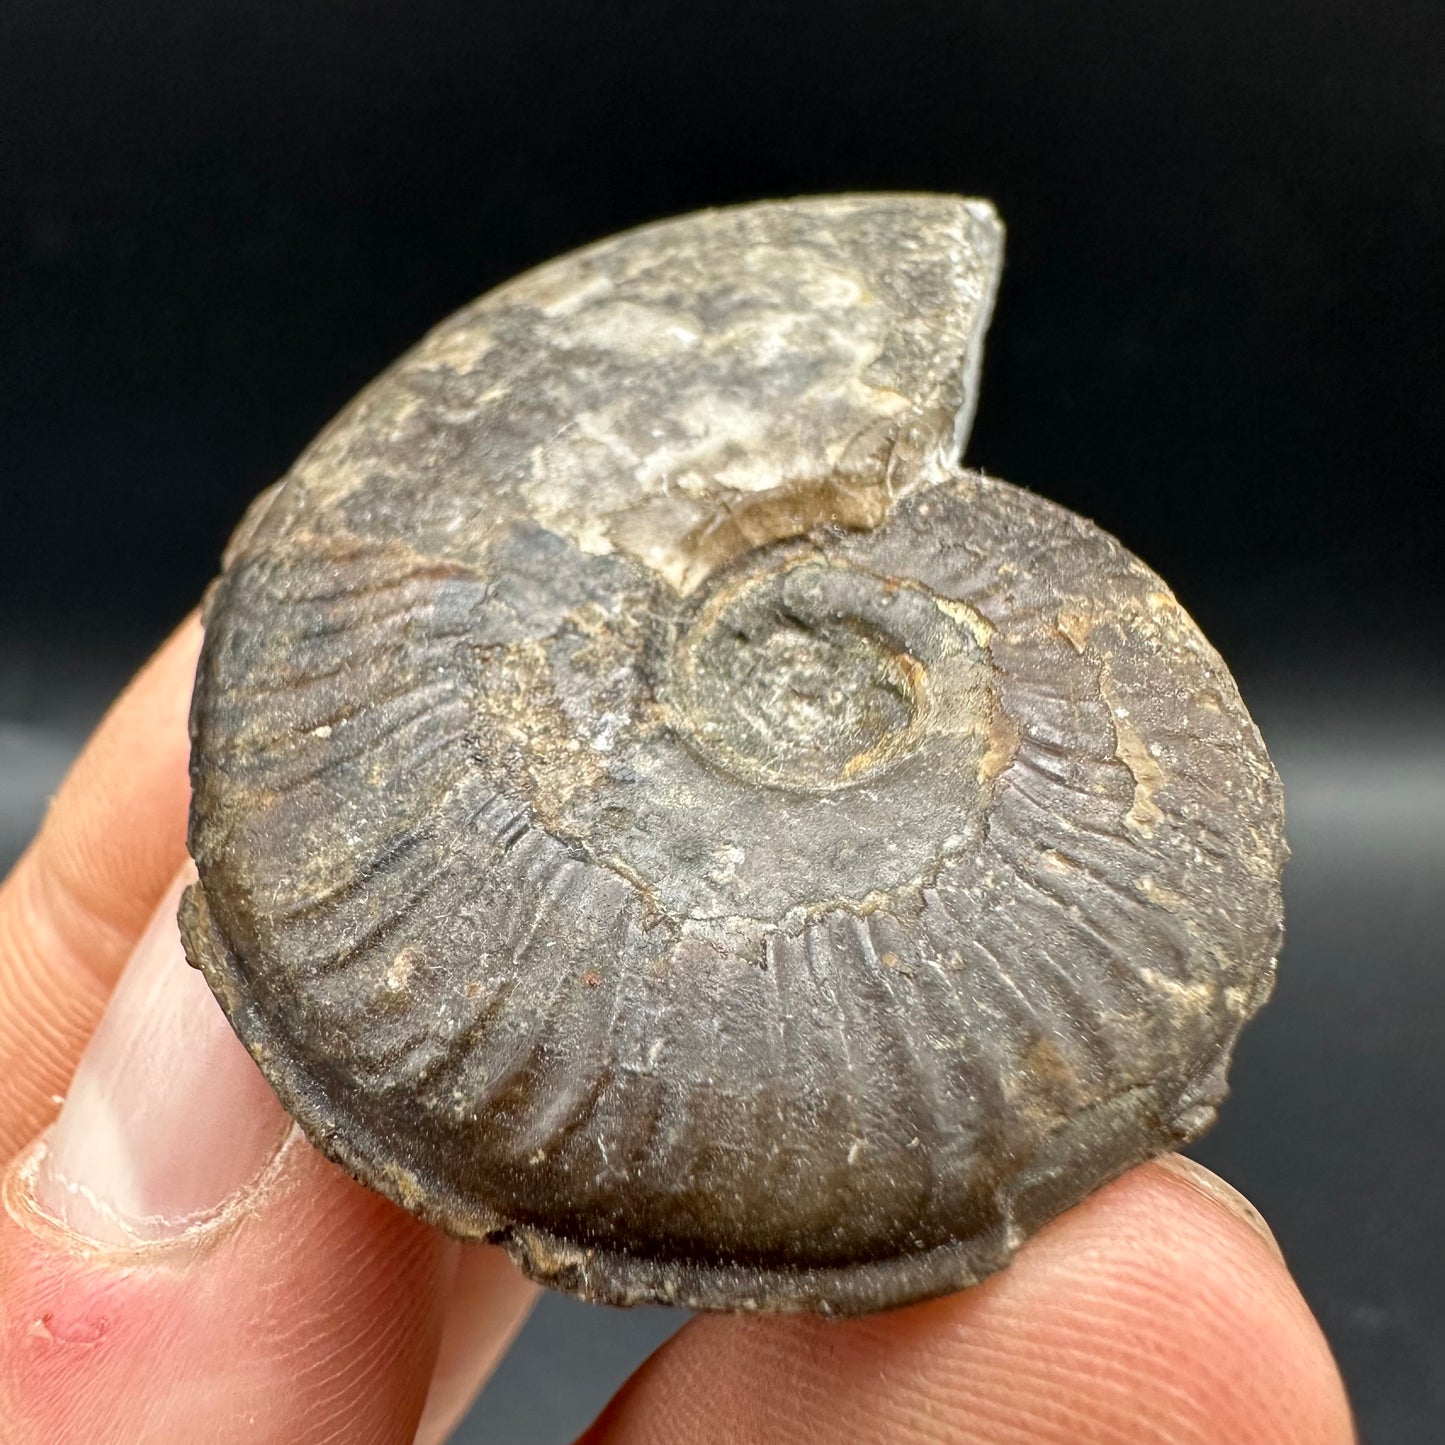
[(653, 808)]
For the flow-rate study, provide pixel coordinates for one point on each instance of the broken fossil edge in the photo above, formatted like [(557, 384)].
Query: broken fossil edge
[(860, 320)]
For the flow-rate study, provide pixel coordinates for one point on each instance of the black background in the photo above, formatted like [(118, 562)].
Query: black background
[(1221, 334)]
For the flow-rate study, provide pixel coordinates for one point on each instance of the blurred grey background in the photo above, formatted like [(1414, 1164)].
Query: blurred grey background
[(1221, 334)]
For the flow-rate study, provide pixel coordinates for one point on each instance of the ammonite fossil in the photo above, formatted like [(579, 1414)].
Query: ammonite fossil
[(655, 810)]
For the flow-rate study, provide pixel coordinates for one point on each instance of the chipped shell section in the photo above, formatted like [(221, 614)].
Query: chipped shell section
[(655, 809)]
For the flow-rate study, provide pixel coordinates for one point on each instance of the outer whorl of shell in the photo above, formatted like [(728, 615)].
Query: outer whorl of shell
[(653, 809)]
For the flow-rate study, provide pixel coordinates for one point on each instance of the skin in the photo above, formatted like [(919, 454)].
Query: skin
[(310, 1310)]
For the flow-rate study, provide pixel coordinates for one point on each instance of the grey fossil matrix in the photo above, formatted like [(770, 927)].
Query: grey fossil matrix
[(654, 809)]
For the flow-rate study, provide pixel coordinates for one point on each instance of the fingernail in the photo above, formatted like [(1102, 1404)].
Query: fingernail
[(167, 1117), (1226, 1195)]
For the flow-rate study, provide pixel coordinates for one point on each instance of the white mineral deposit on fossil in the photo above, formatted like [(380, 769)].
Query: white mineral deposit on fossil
[(655, 809)]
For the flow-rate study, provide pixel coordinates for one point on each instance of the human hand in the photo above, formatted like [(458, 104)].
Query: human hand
[(178, 1265)]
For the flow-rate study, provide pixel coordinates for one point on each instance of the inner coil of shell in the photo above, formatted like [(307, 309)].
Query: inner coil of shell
[(654, 809)]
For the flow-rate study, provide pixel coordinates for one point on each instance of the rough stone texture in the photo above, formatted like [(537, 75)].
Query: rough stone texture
[(653, 809)]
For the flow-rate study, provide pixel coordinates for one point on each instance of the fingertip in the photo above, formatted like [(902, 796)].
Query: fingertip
[(311, 1309), (1222, 1193), (114, 833), (487, 1303), (74, 905), (1154, 1312)]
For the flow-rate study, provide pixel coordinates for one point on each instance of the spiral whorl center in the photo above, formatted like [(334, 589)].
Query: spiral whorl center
[(788, 679)]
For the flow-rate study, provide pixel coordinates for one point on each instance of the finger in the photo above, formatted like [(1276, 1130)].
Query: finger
[(73, 906), (176, 1263), (1151, 1313), (489, 1301)]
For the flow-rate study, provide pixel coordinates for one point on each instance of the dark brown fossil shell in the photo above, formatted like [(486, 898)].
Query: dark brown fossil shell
[(654, 810)]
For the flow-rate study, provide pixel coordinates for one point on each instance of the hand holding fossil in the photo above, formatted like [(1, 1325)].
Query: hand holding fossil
[(177, 1264)]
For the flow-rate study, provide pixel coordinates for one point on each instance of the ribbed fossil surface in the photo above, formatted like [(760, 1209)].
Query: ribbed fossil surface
[(654, 809)]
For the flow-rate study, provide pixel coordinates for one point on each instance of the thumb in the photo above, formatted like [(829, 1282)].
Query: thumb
[(176, 1263)]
